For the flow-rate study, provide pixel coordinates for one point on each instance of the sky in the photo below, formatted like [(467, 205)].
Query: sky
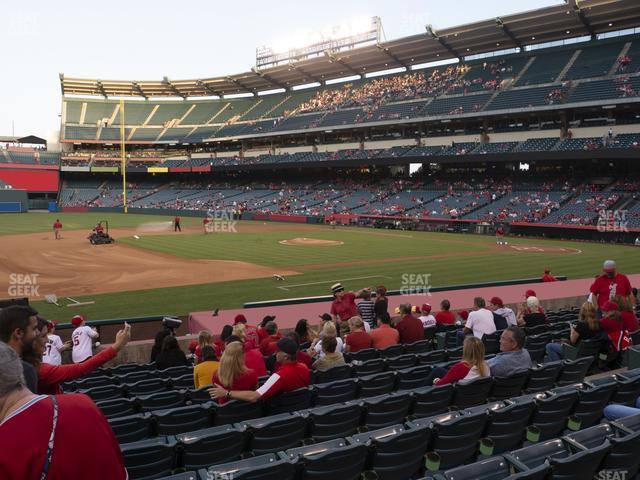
[(148, 40)]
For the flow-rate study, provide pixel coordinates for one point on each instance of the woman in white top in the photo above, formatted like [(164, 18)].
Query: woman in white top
[(328, 330)]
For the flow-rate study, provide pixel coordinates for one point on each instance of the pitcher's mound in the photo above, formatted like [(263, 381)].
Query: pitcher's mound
[(310, 241)]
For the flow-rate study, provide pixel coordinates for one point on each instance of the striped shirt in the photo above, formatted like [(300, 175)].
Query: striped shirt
[(366, 310)]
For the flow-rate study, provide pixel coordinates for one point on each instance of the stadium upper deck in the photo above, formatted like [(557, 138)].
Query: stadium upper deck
[(589, 73)]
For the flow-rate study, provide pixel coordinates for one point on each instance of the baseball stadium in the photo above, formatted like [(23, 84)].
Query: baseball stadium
[(361, 258)]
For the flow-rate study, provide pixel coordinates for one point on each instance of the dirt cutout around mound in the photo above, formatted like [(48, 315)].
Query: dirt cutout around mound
[(312, 242), (556, 250)]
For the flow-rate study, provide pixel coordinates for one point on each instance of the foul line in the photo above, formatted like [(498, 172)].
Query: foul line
[(332, 281)]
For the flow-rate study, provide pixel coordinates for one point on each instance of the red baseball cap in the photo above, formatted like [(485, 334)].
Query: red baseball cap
[(496, 301), (609, 306), (77, 320), (51, 325), (463, 314), (239, 318), (426, 308), (529, 293)]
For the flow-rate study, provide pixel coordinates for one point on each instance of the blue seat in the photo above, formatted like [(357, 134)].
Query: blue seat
[(151, 458), (172, 421), (377, 384), (429, 401), (236, 411), (161, 400), (332, 459), (131, 428), (274, 433), (118, 407), (298, 399), (385, 410), (335, 421), (335, 392)]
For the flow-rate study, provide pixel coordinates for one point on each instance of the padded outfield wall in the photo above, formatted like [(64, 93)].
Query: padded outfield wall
[(13, 201)]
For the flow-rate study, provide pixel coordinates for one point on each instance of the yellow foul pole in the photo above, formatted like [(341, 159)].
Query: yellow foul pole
[(123, 166)]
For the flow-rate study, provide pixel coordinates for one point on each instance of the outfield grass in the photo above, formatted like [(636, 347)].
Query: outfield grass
[(382, 255)]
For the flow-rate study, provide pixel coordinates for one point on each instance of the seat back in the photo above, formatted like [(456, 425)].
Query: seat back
[(174, 372), (336, 421), (401, 361), (507, 425), (118, 407), (364, 355), (275, 433), (106, 392), (543, 377), (580, 465), (131, 428), (172, 421), (472, 393), (161, 400), (298, 399), (369, 367), (591, 403), (263, 467), (146, 387), (211, 446), (391, 351), (623, 455), (236, 411), (454, 353), (492, 342), (414, 377), (331, 459), (385, 410), (551, 413), (627, 392), (430, 401), (136, 376), (335, 392), (511, 386), (150, 458), (421, 346), (378, 384), (574, 371), (336, 373), (486, 469)]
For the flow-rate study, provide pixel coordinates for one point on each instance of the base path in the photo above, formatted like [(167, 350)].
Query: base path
[(288, 315), (72, 266)]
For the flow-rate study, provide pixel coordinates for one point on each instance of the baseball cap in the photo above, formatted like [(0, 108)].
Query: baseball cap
[(326, 317), (77, 320), (529, 293), (51, 325), (426, 308), (609, 266), (287, 345), (496, 301), (463, 314), (269, 318), (239, 318), (609, 306), (337, 287)]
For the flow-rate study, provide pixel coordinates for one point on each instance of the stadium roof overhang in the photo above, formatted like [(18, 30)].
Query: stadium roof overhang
[(574, 18)]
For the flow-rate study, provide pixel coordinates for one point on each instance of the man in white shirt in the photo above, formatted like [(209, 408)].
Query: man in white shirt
[(426, 318), (54, 347), (480, 321), (82, 338)]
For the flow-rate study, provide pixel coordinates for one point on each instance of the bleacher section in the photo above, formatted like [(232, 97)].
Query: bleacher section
[(463, 89)]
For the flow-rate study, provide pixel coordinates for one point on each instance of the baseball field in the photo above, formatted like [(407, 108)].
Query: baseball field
[(153, 270)]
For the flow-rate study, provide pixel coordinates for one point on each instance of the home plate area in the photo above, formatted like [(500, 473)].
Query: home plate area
[(534, 249)]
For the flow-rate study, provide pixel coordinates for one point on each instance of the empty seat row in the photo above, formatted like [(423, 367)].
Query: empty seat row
[(397, 431)]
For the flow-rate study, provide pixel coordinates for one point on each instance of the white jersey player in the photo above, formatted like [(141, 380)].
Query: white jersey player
[(82, 338), (54, 347)]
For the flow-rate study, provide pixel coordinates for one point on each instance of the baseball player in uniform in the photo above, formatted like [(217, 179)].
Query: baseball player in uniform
[(57, 226), (82, 338)]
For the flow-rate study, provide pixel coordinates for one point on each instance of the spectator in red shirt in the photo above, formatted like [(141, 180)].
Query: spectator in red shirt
[(29, 451), (357, 339), (547, 277), (301, 356), (385, 335), (233, 373), (610, 284), (627, 314), (444, 316), (262, 333), (343, 306), (51, 376), (410, 328), (290, 376), (268, 345), (251, 332), (219, 344)]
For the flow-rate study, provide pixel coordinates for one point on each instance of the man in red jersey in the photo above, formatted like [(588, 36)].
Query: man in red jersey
[(44, 436), (57, 226), (610, 284), (444, 316), (290, 376)]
